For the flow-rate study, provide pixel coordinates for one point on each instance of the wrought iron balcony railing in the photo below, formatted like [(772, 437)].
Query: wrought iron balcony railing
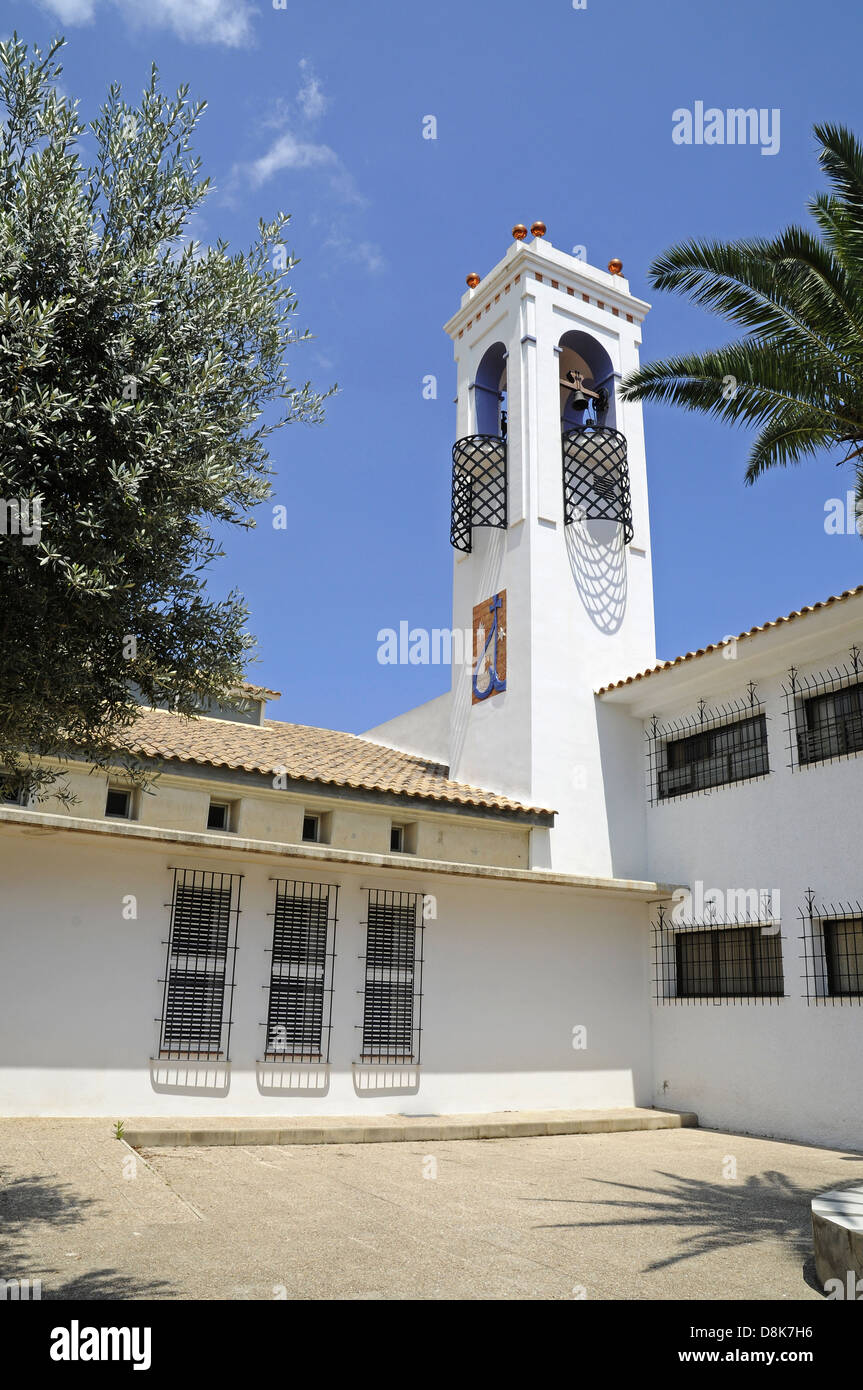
[(596, 477), (478, 486)]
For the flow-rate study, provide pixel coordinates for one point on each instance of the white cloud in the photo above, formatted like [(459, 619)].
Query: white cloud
[(310, 97), (290, 153), (226, 22), (72, 11), (366, 254)]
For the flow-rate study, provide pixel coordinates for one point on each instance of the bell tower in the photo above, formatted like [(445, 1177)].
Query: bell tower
[(551, 540)]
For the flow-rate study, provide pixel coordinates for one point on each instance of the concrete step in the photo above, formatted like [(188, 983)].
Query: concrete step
[(392, 1129)]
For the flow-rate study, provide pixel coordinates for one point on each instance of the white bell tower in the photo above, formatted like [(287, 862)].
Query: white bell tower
[(552, 549)]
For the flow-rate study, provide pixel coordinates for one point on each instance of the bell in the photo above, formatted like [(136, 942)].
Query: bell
[(578, 401)]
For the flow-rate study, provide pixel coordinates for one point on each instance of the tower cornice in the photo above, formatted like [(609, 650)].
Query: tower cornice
[(538, 263)]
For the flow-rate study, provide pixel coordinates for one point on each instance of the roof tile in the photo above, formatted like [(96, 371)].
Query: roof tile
[(306, 754)]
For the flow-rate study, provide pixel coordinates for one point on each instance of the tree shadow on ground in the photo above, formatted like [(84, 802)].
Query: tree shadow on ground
[(29, 1202), (765, 1206)]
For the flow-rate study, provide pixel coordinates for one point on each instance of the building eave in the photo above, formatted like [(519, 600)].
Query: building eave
[(223, 844)]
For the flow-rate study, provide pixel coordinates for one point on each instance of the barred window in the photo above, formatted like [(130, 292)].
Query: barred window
[(199, 974), (725, 960), (843, 949), (715, 756), (393, 977), (831, 725), (299, 1015)]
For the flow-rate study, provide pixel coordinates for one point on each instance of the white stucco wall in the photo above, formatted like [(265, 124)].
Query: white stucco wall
[(510, 970), (423, 730), (790, 1068)]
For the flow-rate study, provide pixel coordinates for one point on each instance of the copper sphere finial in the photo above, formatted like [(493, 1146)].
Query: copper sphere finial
[(519, 231), (472, 280), (538, 229), (615, 267)]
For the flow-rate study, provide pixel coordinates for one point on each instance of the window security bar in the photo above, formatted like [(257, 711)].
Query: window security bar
[(198, 984), (824, 713), (731, 961), (300, 1001), (392, 995), (713, 748), (832, 936)]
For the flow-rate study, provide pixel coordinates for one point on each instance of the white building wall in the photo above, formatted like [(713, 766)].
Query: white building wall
[(789, 1068), (510, 970)]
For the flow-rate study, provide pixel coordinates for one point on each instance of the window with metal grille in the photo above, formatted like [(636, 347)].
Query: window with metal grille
[(393, 984), (843, 946), (299, 1015), (724, 962), (199, 973), (824, 712), (831, 725), (713, 757), (833, 951)]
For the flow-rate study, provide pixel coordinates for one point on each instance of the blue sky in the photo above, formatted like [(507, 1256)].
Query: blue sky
[(542, 111)]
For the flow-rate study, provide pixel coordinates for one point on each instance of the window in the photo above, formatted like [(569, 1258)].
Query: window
[(729, 962), (714, 757), (118, 802), (831, 725), (219, 816), (397, 839), (843, 949), (312, 828), (199, 975), (393, 977), (12, 794), (301, 990)]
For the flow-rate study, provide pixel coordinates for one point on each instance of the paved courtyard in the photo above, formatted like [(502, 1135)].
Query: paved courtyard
[(669, 1214)]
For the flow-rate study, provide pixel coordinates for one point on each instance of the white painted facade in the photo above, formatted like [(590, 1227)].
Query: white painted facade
[(511, 969), (538, 982)]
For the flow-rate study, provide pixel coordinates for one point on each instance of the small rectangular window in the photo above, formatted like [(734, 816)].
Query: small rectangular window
[(397, 839), (729, 962), (714, 757), (843, 948), (219, 816), (118, 803), (832, 725), (312, 828), (12, 793)]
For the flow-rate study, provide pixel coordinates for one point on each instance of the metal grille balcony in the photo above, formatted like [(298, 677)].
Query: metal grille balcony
[(478, 486), (596, 477)]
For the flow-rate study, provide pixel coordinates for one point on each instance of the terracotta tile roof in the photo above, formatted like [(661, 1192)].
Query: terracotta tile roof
[(306, 754), (715, 646), (247, 688)]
